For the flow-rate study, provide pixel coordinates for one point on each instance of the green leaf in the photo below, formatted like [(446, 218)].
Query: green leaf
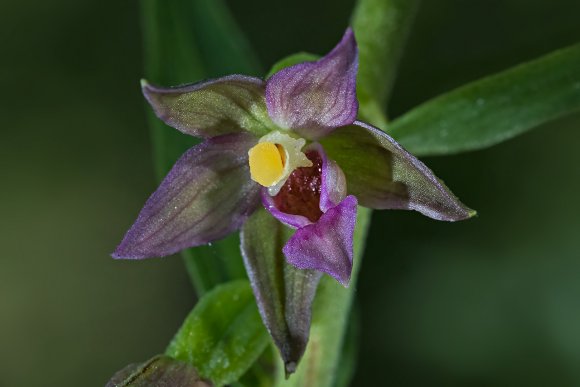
[(284, 293), (291, 60), (186, 41), (223, 335), (494, 109), (158, 371), (381, 28)]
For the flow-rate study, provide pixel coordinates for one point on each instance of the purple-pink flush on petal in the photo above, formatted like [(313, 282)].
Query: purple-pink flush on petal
[(313, 98), (326, 245)]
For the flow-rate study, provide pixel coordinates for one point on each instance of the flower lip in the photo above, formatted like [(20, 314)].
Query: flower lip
[(309, 191), (300, 195)]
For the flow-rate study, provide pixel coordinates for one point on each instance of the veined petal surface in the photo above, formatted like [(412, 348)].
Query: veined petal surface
[(383, 175), (313, 98), (206, 195), (231, 104)]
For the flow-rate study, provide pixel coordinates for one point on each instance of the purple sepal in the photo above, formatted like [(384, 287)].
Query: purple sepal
[(230, 104), (207, 194), (326, 245), (313, 98)]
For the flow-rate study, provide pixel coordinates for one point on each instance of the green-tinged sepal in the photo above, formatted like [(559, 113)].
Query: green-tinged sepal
[(230, 104), (223, 335), (284, 293), (158, 371), (383, 175)]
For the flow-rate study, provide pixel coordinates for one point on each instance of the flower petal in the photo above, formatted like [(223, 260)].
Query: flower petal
[(206, 195), (326, 245), (206, 109), (383, 175), (333, 185), (313, 98), (283, 293)]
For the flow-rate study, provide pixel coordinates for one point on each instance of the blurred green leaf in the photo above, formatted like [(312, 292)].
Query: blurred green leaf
[(158, 371), (223, 335), (381, 28), (350, 350), (263, 372), (186, 41), (494, 109), (215, 263), (223, 46)]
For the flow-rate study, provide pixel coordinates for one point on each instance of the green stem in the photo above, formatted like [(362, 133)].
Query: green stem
[(381, 28)]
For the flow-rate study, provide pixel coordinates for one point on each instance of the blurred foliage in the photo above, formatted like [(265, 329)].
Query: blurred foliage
[(494, 109), (223, 335), (492, 301)]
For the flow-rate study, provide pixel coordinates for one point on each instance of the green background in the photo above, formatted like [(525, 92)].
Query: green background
[(487, 302)]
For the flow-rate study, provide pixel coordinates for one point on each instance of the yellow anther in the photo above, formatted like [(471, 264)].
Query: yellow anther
[(274, 158), (282, 153), (266, 163)]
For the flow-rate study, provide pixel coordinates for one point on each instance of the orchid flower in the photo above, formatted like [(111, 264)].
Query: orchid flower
[(291, 143)]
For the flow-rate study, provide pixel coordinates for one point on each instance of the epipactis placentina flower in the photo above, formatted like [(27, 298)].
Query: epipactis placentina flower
[(293, 144)]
